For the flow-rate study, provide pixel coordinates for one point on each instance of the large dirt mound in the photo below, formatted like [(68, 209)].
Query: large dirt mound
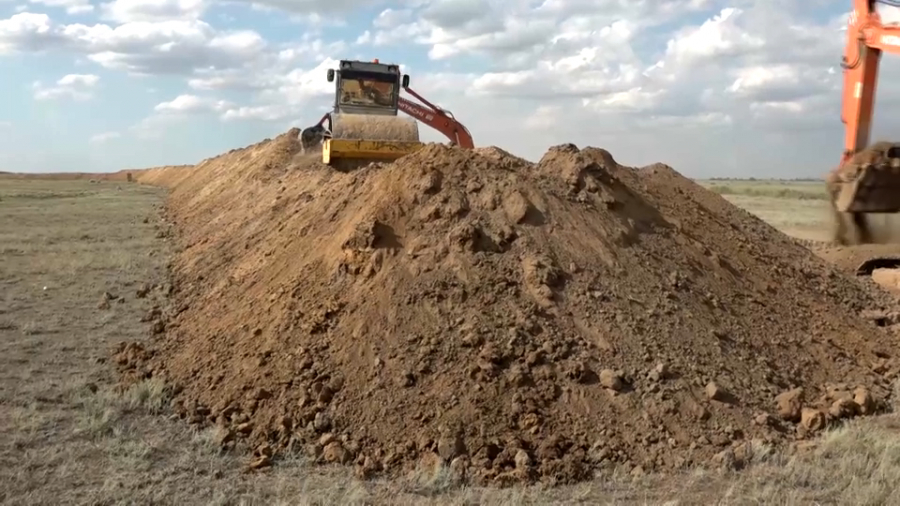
[(512, 320)]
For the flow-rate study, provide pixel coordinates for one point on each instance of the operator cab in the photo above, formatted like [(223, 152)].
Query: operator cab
[(367, 87)]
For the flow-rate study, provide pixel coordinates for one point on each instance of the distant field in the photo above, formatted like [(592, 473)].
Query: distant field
[(793, 190), (798, 208)]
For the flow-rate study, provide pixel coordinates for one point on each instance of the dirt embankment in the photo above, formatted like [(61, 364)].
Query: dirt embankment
[(511, 320)]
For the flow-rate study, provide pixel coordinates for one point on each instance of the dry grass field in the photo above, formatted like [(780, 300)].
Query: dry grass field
[(73, 255), (797, 208)]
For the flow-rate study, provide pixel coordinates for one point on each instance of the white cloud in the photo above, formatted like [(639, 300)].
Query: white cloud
[(177, 46), (105, 137), (167, 47), (307, 7), (179, 109), (391, 18), (127, 11), (86, 80), (70, 6), (74, 86), (311, 50), (280, 68), (718, 38), (290, 95), (6, 124), (234, 79), (191, 104), (27, 32), (781, 83)]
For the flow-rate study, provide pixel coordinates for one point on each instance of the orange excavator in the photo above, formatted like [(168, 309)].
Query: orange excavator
[(867, 181), (364, 125)]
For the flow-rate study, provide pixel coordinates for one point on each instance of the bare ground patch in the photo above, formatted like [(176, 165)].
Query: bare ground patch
[(68, 436)]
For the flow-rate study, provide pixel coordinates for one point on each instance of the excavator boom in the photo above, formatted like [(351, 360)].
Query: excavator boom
[(441, 120), (868, 177), (364, 125)]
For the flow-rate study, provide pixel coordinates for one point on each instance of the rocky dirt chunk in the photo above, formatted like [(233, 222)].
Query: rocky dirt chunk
[(863, 398), (611, 380), (335, 453), (812, 420), (790, 404)]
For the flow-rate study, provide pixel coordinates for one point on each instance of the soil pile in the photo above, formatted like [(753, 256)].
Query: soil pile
[(512, 320)]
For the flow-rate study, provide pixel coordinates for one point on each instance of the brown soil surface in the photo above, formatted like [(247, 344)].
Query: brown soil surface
[(514, 321), (887, 278), (848, 258)]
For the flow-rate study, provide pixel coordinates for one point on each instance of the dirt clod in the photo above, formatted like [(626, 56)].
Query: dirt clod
[(335, 453), (843, 408), (322, 421), (863, 398), (260, 462), (522, 460), (451, 447), (716, 393), (143, 291), (611, 380), (812, 420), (790, 404)]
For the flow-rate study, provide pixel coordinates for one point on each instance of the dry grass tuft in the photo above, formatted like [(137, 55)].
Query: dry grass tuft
[(855, 465)]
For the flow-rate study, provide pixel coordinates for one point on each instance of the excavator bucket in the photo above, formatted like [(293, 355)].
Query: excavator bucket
[(869, 182), (311, 138), (362, 138)]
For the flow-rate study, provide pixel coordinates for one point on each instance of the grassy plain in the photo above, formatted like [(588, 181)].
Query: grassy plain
[(798, 208), (68, 436)]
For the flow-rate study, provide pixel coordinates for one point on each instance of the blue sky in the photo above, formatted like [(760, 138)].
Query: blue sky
[(711, 87)]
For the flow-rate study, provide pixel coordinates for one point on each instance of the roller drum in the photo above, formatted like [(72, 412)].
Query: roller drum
[(374, 127)]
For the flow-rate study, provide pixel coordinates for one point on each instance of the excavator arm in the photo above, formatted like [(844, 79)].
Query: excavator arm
[(867, 39), (437, 118), (868, 177)]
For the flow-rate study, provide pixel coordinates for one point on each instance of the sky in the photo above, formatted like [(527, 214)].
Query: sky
[(713, 88)]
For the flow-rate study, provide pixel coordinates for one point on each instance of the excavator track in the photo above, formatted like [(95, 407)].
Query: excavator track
[(359, 139)]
